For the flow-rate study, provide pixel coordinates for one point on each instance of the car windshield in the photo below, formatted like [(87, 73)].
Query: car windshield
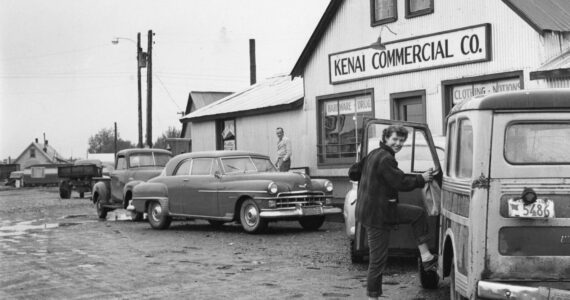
[(247, 164), (149, 159), (537, 143)]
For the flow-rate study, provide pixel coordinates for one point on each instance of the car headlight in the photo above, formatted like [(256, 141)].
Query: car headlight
[(328, 186), (272, 188)]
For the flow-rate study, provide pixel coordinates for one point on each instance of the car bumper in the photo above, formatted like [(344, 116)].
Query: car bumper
[(298, 212), (498, 290)]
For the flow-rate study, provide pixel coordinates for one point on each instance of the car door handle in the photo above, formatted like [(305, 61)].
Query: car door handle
[(185, 180)]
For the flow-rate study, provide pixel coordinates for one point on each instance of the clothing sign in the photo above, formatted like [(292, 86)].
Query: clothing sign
[(464, 92), (456, 47)]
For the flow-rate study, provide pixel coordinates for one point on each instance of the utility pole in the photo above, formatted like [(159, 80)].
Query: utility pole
[(252, 66), (141, 63), (149, 91), (115, 140)]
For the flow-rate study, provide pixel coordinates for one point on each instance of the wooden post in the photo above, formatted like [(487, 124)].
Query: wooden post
[(115, 139), (252, 66), (149, 91), (140, 57)]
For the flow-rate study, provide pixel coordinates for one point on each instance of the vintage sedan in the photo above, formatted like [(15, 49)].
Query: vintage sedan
[(227, 186)]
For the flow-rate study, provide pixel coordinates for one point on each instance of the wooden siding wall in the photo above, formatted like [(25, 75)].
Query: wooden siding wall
[(204, 134), (257, 134), (515, 46)]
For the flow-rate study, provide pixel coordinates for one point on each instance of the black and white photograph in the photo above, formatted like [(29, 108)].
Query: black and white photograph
[(301, 149)]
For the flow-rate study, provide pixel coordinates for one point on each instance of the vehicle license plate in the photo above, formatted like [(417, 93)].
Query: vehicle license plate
[(311, 211), (542, 208)]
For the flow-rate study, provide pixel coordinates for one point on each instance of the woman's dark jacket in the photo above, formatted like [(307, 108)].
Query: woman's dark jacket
[(380, 181)]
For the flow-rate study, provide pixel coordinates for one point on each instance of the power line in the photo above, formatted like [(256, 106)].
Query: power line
[(167, 92), (55, 53)]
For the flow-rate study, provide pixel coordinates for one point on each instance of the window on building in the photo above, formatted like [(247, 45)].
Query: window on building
[(416, 8), (341, 122), (201, 166), (464, 163), (32, 153), (226, 134), (383, 11)]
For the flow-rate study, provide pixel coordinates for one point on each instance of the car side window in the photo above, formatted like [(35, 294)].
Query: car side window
[(464, 167), (201, 166), (121, 163), (183, 168)]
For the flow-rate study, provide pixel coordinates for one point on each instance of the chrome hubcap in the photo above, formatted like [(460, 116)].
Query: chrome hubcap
[(251, 215), (156, 212)]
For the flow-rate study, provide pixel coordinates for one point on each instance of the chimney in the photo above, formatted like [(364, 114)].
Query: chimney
[(252, 66), (37, 140)]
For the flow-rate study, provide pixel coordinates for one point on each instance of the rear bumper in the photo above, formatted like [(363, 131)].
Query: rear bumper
[(499, 290), (296, 212)]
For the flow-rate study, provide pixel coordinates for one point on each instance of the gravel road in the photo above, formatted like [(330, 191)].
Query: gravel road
[(52, 248)]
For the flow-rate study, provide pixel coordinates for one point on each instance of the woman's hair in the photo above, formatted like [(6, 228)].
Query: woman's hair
[(398, 129)]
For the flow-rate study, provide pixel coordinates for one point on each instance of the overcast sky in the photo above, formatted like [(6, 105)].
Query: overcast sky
[(61, 75)]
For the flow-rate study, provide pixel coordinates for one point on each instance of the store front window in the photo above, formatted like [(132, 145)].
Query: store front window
[(341, 119)]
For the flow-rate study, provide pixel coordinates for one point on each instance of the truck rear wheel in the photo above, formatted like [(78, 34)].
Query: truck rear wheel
[(64, 190)]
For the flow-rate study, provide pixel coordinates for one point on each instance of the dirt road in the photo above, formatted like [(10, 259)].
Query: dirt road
[(52, 248)]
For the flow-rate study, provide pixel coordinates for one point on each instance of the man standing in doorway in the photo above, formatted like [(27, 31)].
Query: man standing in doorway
[(283, 151)]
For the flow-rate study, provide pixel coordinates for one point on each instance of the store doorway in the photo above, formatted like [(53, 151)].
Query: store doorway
[(409, 106)]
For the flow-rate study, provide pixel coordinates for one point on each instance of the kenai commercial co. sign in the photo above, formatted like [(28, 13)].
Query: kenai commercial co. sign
[(455, 47)]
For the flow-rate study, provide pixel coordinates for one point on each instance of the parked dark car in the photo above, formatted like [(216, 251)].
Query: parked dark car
[(226, 186)]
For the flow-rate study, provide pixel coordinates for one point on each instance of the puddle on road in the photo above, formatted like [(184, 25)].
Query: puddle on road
[(8, 229)]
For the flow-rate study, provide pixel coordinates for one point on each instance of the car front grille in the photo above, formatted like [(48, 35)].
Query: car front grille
[(288, 200)]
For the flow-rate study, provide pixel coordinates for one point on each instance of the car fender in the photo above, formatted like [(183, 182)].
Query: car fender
[(101, 191), (319, 185), (349, 211), (128, 190), (145, 192)]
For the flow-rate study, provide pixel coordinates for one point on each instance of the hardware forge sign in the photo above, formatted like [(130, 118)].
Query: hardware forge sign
[(444, 49)]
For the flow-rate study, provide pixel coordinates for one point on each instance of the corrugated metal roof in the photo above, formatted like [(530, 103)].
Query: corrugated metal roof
[(278, 92), (543, 15), (199, 99), (558, 66)]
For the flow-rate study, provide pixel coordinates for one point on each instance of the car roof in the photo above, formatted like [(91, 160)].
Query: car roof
[(214, 154), (543, 99), (143, 150)]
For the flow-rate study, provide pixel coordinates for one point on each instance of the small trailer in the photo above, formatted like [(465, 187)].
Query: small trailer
[(79, 177)]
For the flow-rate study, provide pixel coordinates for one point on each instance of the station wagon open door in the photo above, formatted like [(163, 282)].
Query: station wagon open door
[(417, 156)]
